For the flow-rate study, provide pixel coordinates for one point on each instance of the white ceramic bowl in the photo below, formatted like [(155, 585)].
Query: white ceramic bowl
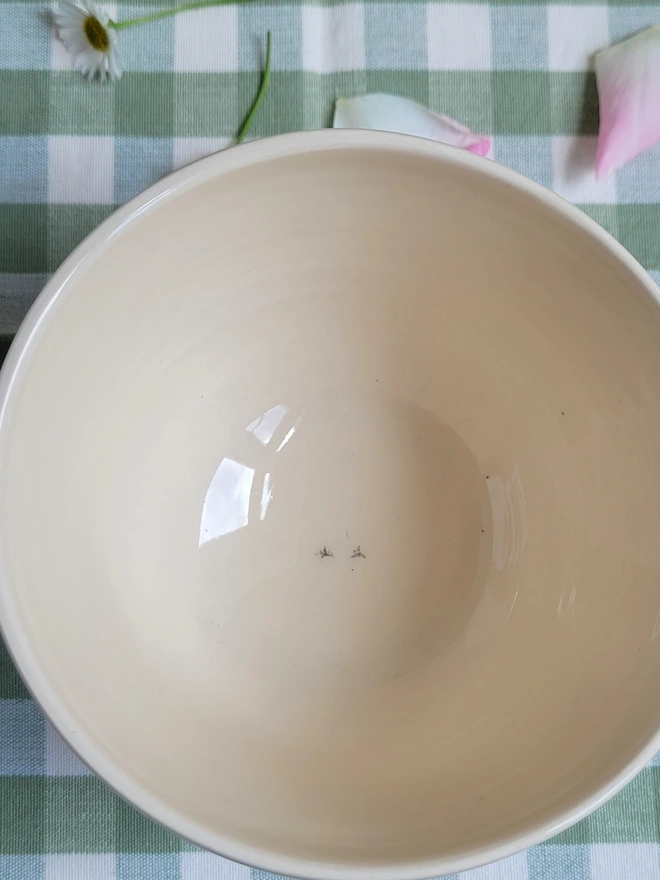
[(330, 503)]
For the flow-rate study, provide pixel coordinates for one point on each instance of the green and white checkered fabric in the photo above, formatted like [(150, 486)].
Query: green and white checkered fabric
[(71, 151)]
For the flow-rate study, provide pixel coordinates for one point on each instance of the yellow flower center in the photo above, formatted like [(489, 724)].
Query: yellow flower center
[(96, 34)]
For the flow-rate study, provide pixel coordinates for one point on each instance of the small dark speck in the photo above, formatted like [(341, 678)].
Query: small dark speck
[(562, 413), (487, 477), (482, 531), (357, 553), (325, 552), (352, 569), (481, 797)]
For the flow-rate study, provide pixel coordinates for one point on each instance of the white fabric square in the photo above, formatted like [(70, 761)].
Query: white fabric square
[(60, 760), (333, 38), (574, 34), (81, 170), (206, 866), (614, 861), (514, 868), (76, 866), (573, 172), (187, 150), (207, 40), (60, 58), (458, 36)]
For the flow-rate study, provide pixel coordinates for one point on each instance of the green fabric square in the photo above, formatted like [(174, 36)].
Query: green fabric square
[(79, 107), (11, 684), (145, 104), (521, 102), (574, 101), (208, 104), (79, 815), (25, 101), (23, 245), (23, 814)]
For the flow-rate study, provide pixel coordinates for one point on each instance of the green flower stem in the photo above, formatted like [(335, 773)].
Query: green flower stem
[(166, 13), (263, 88)]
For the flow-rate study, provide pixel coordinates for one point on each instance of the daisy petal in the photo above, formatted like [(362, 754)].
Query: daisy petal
[(628, 80), (69, 15), (391, 113)]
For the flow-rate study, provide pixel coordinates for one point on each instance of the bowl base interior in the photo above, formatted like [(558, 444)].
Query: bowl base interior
[(352, 525)]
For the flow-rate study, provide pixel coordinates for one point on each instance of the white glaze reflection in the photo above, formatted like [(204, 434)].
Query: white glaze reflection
[(266, 495), (227, 502), (289, 434), (265, 425)]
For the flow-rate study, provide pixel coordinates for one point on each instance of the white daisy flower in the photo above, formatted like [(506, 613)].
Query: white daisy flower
[(89, 36)]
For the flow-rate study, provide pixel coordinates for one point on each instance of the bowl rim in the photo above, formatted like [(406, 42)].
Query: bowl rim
[(15, 636)]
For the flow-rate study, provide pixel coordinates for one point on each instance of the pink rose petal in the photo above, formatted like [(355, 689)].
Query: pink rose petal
[(628, 80), (391, 113)]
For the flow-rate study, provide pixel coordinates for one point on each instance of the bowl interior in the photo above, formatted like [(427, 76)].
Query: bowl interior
[(330, 502)]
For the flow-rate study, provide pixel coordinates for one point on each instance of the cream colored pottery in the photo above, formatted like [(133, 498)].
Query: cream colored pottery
[(330, 507)]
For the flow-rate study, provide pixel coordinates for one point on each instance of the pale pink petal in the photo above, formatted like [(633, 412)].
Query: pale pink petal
[(628, 79), (391, 113)]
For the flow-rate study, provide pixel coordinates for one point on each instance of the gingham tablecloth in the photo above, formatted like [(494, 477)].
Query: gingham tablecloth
[(71, 151)]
